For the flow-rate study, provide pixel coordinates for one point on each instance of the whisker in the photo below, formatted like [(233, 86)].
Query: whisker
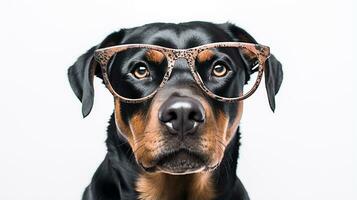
[(137, 149), (218, 139)]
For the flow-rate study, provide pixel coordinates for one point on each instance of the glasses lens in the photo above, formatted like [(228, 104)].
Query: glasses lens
[(228, 71), (136, 72)]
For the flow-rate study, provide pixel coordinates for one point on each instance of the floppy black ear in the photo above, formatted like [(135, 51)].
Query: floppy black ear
[(273, 68), (80, 76), (82, 72), (273, 79)]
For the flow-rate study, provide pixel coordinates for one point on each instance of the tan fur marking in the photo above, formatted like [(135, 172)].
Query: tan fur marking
[(218, 136), (202, 187), (205, 56), (170, 187), (149, 136), (214, 133), (121, 126), (233, 128), (137, 125), (248, 55), (155, 56)]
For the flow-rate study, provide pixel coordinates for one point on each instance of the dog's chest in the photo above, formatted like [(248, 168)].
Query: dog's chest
[(170, 187)]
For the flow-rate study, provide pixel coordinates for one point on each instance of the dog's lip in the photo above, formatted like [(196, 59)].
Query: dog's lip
[(157, 166), (171, 154), (180, 162)]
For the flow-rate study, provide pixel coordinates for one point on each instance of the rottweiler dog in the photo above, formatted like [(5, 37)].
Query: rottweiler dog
[(181, 143)]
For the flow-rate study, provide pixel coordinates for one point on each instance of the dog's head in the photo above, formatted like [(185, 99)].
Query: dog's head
[(181, 129)]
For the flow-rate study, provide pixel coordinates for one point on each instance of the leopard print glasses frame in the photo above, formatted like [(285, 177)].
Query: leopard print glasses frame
[(103, 55)]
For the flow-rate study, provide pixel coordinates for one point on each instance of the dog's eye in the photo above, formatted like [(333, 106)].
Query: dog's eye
[(141, 71), (219, 70)]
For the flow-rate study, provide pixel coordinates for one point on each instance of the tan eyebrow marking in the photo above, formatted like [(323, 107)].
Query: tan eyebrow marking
[(205, 55), (154, 56)]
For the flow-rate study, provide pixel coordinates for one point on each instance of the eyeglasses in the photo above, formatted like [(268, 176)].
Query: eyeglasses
[(145, 68)]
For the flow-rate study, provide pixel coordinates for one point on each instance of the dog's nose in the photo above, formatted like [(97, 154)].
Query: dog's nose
[(181, 115)]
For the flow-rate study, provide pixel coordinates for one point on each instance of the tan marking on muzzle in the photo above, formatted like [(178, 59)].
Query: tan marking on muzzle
[(213, 132), (148, 134)]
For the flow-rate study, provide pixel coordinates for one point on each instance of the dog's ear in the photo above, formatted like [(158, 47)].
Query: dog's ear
[(273, 68), (82, 72), (273, 79)]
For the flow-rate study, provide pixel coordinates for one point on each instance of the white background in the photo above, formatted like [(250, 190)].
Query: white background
[(305, 150)]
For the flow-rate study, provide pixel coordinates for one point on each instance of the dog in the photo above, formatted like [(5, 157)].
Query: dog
[(181, 143)]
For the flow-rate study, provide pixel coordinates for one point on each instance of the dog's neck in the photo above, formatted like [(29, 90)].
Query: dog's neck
[(147, 186), (170, 187)]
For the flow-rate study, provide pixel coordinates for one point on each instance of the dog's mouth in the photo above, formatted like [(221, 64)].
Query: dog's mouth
[(179, 163)]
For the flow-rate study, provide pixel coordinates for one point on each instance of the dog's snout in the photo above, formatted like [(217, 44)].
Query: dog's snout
[(181, 115)]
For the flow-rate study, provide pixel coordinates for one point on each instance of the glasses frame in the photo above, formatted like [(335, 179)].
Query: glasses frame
[(103, 55)]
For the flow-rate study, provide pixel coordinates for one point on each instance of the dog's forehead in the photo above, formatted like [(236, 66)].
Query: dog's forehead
[(181, 36)]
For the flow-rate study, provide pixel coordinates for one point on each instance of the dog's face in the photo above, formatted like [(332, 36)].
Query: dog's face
[(181, 129)]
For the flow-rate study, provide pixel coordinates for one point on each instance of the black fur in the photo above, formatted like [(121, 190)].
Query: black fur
[(115, 178)]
